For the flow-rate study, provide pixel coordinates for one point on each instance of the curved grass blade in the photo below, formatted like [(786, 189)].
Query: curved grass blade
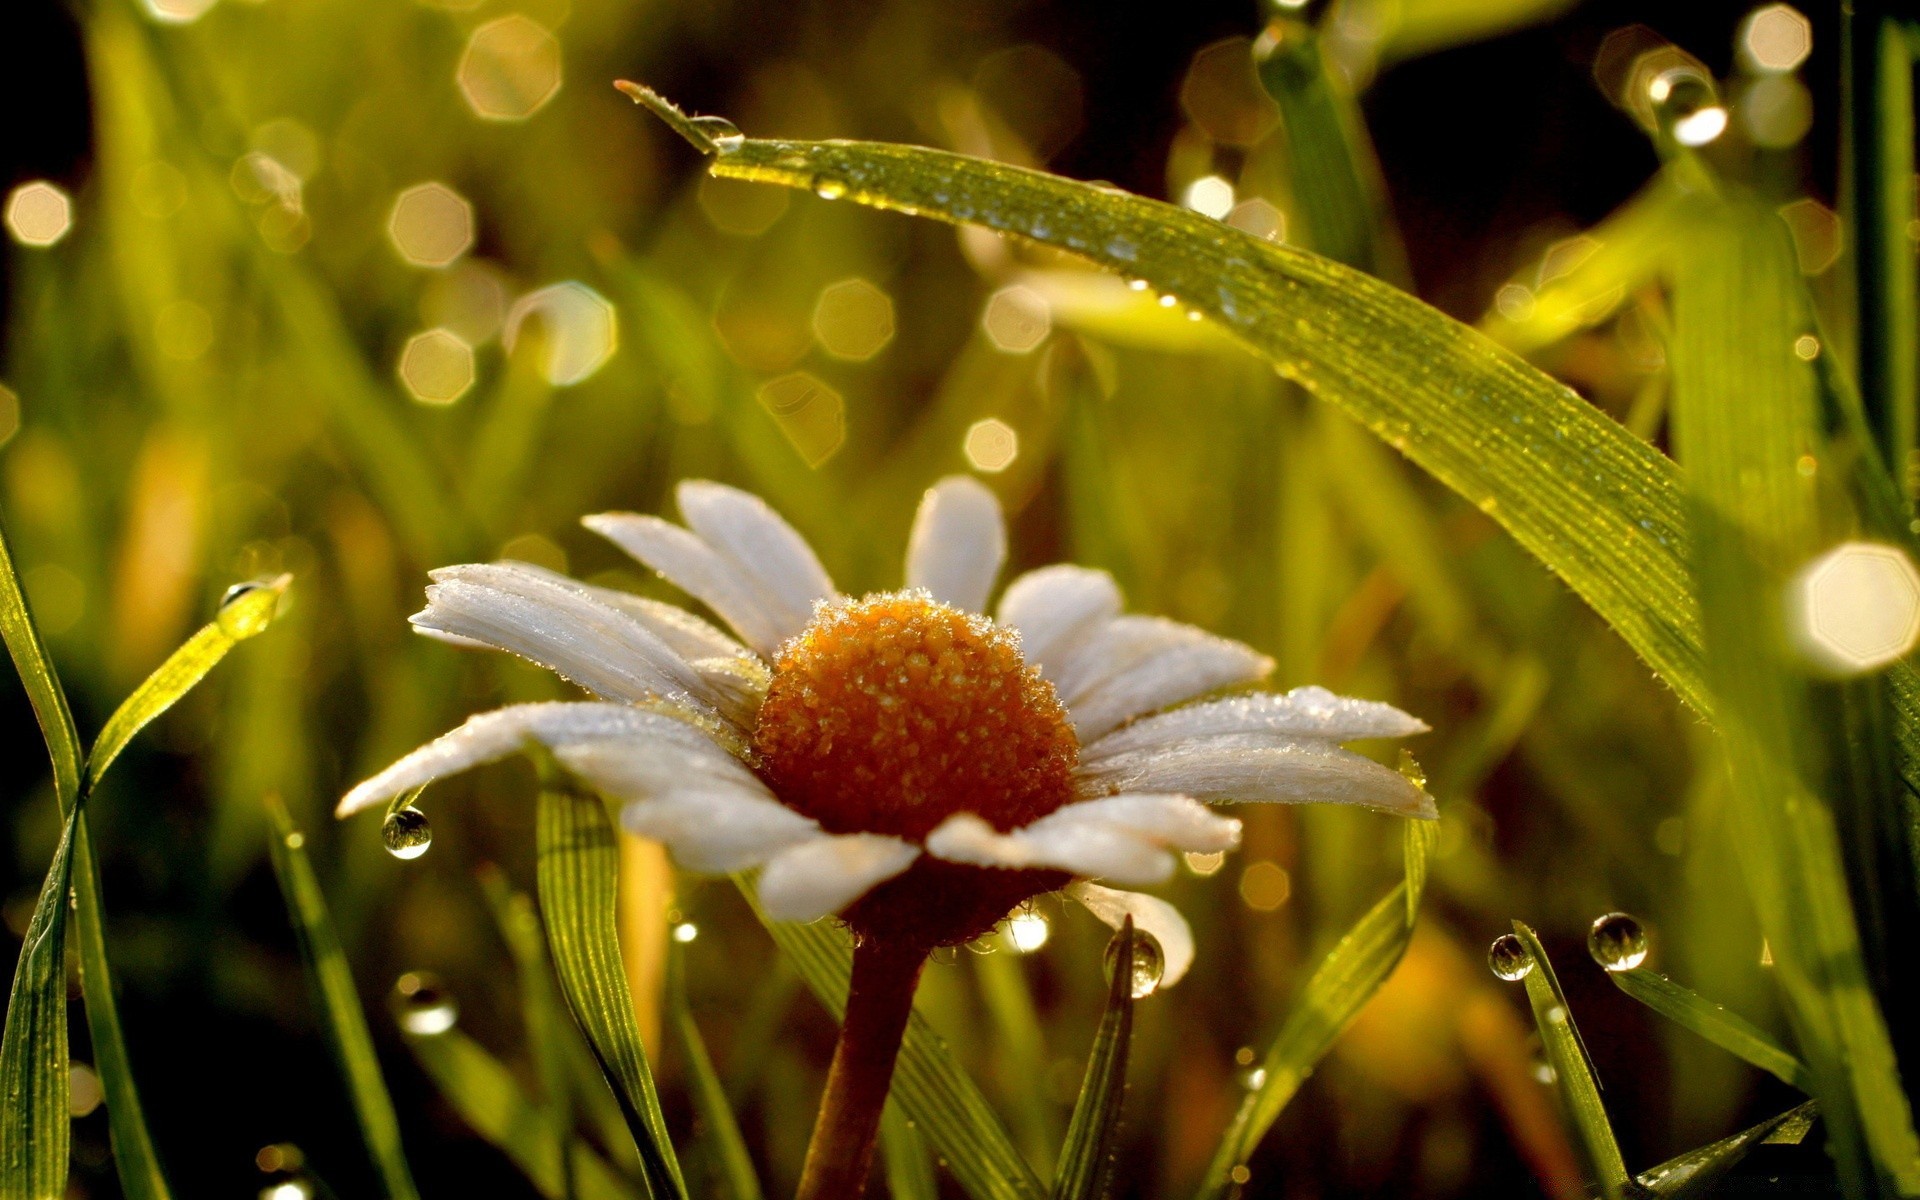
[(1693, 1173), (1350, 973), (1087, 1157), (1727, 1030), (485, 1095), (931, 1089), (35, 1128), (578, 874), (1572, 1070), (346, 1022), (909, 1168), (737, 1178), (246, 612)]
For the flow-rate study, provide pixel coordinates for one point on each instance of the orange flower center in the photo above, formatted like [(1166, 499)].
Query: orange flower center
[(893, 712)]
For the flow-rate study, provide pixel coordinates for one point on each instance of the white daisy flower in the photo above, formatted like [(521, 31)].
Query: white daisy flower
[(900, 759)]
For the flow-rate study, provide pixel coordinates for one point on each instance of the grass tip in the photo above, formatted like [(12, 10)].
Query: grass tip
[(669, 112)]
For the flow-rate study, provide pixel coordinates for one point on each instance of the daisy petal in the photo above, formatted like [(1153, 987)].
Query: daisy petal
[(1091, 848), (696, 569), (556, 626), (504, 731), (1150, 915), (719, 830), (636, 769), (760, 544), (1055, 609), (820, 877), (1297, 772), (1267, 718), (958, 542), (685, 634), (1138, 665), (1175, 821)]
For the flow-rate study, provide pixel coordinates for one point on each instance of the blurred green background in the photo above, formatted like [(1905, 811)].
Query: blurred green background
[(356, 289)]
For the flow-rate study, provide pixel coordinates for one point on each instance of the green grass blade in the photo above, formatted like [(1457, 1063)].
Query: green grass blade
[(1087, 1157), (1020, 1056), (519, 927), (1745, 411), (346, 1022), (1693, 1173), (737, 1178), (485, 1095), (1573, 1075), (930, 1087), (42, 683), (908, 1166), (1345, 979), (36, 1127), (579, 866), (1729, 1031), (245, 613)]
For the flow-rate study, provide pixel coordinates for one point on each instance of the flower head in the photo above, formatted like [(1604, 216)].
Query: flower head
[(900, 759)]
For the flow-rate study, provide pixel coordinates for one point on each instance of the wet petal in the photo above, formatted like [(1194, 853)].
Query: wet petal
[(819, 878), (958, 544), (718, 830), (1268, 718), (687, 635), (698, 570), (1300, 772), (1056, 609), (504, 731), (1138, 665), (1124, 838), (558, 627), (1150, 915), (760, 544)]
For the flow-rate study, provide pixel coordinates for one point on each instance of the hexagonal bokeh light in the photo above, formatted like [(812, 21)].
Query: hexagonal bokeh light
[(991, 445), (853, 320), (431, 225), (809, 412), (1818, 236), (1856, 608), (578, 325), (436, 367), (1017, 319), (1777, 37), (510, 68), (38, 213), (177, 12)]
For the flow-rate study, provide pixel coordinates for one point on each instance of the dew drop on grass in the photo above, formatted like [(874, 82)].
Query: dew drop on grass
[(724, 134), (1509, 959), (243, 620), (829, 187), (1618, 942), (1411, 770), (406, 833), (1149, 964), (422, 1004)]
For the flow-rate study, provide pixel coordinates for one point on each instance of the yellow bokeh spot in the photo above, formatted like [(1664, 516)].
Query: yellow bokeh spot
[(1856, 608), (853, 320), (510, 68), (1017, 319), (1776, 38), (436, 367), (38, 213), (431, 225), (991, 445), (741, 208), (578, 326), (811, 414), (1209, 195), (1222, 94), (1817, 236), (1265, 886), (177, 12), (1260, 218)]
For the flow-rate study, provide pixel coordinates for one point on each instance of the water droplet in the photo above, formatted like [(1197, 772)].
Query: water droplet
[(685, 932), (242, 612), (1253, 1079), (1148, 963), (1122, 249), (406, 833), (296, 839), (1168, 300), (829, 187), (1687, 106), (1618, 942), (1509, 959), (724, 134), (1411, 770), (1138, 285), (423, 1005)]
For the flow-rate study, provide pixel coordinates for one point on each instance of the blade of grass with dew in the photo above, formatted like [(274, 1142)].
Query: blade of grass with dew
[(1572, 1070), (485, 1095), (1087, 1157), (738, 1180), (1744, 415), (1729, 1031), (345, 1021), (1695, 1172), (1345, 979), (578, 879), (35, 1130), (932, 1090), (909, 1168)]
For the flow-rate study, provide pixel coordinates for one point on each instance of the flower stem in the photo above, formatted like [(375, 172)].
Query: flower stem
[(878, 1004)]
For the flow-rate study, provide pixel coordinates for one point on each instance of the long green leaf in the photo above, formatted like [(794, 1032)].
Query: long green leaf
[(35, 1126), (579, 871), (487, 1098), (1345, 979), (1087, 1158), (930, 1087), (908, 1165), (1572, 1071), (346, 1022), (1727, 1030), (737, 1177), (1693, 1173)]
